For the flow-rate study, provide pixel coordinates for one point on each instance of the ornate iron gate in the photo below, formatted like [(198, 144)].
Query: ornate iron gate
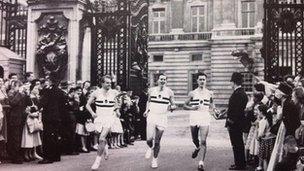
[(13, 26), (119, 42), (283, 39)]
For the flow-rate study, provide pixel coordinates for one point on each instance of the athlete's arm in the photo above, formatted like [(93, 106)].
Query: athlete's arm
[(147, 105), (172, 102), (117, 105), (88, 105), (215, 112), (187, 105)]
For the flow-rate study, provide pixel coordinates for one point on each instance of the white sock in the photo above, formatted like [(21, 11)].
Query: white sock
[(201, 163)]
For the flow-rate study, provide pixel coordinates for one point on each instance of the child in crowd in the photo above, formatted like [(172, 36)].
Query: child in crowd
[(265, 137), (252, 142), (251, 116)]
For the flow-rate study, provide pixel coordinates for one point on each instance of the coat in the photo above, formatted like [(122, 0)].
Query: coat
[(236, 106), (53, 101), (291, 117), (18, 103)]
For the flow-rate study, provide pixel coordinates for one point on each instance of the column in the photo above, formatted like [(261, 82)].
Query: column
[(31, 40)]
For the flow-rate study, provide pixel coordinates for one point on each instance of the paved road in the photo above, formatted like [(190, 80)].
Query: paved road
[(175, 155)]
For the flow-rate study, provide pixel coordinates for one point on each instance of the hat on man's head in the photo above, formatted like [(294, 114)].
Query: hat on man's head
[(54, 77), (259, 87), (237, 78), (285, 88)]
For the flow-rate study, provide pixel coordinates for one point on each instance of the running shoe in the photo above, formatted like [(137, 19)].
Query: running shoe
[(154, 164), (195, 153), (200, 167)]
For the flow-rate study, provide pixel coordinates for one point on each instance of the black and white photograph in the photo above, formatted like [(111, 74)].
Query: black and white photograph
[(144, 85)]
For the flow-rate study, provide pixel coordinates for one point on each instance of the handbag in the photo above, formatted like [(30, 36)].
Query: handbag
[(34, 124), (89, 126)]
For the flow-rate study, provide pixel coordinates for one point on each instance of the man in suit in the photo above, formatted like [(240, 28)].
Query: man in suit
[(52, 102), (235, 117)]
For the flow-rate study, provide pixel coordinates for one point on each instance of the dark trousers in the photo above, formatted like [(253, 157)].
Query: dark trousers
[(68, 134), (14, 142), (128, 128), (51, 141), (236, 139)]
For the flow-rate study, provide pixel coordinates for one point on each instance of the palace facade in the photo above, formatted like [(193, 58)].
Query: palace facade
[(187, 36)]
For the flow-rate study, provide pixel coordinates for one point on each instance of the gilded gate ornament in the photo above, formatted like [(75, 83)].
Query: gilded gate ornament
[(52, 55), (287, 21)]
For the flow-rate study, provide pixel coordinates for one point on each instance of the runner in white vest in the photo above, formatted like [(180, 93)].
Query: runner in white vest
[(160, 102), (106, 103), (198, 103)]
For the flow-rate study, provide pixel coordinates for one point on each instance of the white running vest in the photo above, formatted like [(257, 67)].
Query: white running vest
[(105, 103), (202, 99), (160, 100)]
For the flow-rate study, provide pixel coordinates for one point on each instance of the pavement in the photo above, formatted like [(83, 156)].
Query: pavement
[(175, 154)]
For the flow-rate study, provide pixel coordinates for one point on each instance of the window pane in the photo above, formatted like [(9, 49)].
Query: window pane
[(194, 24), (162, 26), (244, 6), (155, 27), (202, 24), (155, 14), (201, 10), (196, 57), (244, 20), (251, 20), (194, 10), (162, 13), (158, 58), (251, 6)]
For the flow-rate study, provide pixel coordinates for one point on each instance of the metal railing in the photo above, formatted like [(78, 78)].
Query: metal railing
[(13, 26), (180, 36), (234, 32), (202, 35)]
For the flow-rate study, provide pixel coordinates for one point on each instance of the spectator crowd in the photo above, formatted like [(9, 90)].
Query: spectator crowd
[(273, 125), (43, 119)]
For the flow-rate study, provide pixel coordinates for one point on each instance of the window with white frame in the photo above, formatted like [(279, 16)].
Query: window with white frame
[(158, 58), (196, 57), (198, 18), (159, 20), (247, 13)]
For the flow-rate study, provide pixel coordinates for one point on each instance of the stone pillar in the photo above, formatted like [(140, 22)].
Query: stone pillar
[(31, 40), (73, 41), (86, 54), (72, 10)]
